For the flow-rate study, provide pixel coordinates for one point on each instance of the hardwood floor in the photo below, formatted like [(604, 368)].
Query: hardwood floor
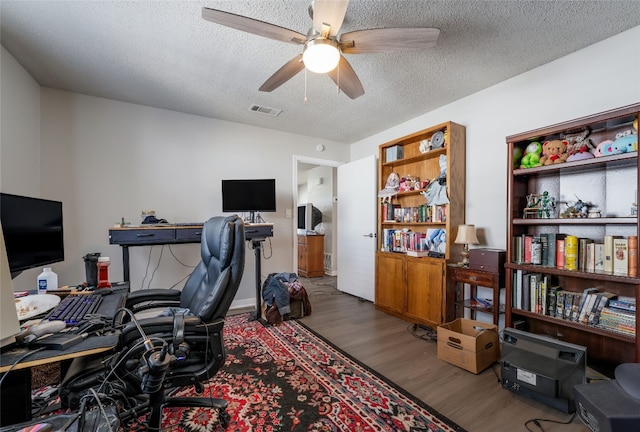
[(386, 344)]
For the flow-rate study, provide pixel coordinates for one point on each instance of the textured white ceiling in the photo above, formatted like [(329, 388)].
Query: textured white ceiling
[(163, 54)]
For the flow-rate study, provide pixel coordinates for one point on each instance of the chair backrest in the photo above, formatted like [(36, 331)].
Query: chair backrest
[(213, 284)]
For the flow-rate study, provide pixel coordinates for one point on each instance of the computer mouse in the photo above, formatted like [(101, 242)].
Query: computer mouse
[(628, 377)]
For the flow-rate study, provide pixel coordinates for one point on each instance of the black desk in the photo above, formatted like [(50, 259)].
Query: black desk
[(15, 404), (16, 388), (151, 235)]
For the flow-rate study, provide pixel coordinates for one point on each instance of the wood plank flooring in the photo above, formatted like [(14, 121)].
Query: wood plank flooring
[(386, 344)]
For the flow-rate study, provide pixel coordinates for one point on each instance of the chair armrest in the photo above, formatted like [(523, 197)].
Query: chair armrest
[(160, 297)]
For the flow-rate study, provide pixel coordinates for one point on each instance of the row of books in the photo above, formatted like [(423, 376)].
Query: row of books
[(537, 293), (424, 213), (616, 254), (404, 241), (617, 321)]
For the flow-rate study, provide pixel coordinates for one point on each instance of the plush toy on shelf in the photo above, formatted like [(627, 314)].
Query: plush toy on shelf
[(531, 156), (580, 146), (605, 148), (554, 152), (626, 142)]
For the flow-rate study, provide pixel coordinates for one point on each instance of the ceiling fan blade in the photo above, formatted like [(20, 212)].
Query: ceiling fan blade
[(284, 74), (254, 26), (330, 12), (346, 79), (388, 39)]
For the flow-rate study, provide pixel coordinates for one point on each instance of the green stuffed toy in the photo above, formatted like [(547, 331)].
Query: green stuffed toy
[(532, 155)]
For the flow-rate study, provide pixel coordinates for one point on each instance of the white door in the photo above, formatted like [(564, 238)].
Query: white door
[(357, 217)]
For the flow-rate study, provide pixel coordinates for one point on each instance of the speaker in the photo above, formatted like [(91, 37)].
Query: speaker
[(605, 407)]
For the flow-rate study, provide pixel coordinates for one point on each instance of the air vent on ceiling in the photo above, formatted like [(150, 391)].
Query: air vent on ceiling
[(273, 112)]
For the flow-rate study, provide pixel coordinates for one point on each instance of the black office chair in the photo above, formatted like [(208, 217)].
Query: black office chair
[(160, 353), (204, 295)]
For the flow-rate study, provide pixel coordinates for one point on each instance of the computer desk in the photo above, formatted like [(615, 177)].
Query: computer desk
[(15, 403), (149, 235), (16, 400)]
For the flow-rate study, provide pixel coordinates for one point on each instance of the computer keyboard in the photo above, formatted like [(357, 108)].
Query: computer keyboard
[(180, 224), (72, 309)]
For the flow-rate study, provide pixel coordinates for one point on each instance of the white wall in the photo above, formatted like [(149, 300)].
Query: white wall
[(19, 129), (598, 78), (108, 160)]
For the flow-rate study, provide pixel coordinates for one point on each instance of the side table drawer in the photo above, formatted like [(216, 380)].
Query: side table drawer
[(134, 236), (188, 235), (474, 277)]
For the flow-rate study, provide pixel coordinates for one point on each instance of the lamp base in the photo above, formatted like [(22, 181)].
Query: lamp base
[(465, 256)]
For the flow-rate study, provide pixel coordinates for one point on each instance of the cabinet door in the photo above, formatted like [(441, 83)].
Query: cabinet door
[(390, 283), (302, 257), (315, 255), (425, 291)]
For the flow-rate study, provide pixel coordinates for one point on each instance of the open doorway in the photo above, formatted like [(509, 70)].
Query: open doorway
[(315, 182)]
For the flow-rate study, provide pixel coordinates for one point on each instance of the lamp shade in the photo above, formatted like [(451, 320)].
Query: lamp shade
[(466, 235)]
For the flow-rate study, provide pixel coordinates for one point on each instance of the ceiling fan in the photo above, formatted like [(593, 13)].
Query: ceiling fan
[(323, 47)]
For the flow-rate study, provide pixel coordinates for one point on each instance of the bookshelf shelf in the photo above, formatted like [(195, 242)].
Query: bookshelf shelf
[(579, 221), (608, 184), (577, 326), (594, 276)]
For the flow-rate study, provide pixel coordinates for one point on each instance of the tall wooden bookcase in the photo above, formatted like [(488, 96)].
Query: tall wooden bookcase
[(414, 287), (610, 184)]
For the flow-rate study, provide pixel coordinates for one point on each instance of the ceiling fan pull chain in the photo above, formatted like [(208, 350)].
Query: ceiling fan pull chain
[(305, 86), (338, 84)]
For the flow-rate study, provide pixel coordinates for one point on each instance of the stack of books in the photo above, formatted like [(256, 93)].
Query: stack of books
[(619, 316)]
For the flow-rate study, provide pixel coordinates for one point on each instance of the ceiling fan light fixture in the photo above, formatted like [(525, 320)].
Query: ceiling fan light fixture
[(321, 55)]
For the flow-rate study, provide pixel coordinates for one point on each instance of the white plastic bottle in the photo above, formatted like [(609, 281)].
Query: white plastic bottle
[(47, 280)]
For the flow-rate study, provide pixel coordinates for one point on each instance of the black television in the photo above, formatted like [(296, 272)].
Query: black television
[(542, 368), (308, 218), (250, 195), (33, 231)]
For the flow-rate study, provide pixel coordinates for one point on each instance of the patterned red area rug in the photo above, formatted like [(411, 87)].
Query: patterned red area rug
[(288, 378)]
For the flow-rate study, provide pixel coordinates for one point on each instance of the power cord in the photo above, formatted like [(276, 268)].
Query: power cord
[(538, 421), (153, 273), (428, 335), (18, 360)]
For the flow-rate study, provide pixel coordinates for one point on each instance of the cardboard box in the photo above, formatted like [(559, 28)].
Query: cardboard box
[(394, 153), (471, 345)]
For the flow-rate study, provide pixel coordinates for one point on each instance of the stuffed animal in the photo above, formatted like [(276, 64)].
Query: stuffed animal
[(531, 156), (605, 148), (580, 146), (625, 142), (517, 157), (554, 152)]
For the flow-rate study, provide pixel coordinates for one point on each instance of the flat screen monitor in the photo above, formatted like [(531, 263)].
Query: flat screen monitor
[(33, 231), (542, 368), (251, 195)]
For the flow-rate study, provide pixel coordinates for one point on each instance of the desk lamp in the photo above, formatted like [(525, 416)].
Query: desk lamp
[(466, 236)]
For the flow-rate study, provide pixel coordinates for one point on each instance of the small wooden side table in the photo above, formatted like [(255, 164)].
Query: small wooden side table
[(458, 276)]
